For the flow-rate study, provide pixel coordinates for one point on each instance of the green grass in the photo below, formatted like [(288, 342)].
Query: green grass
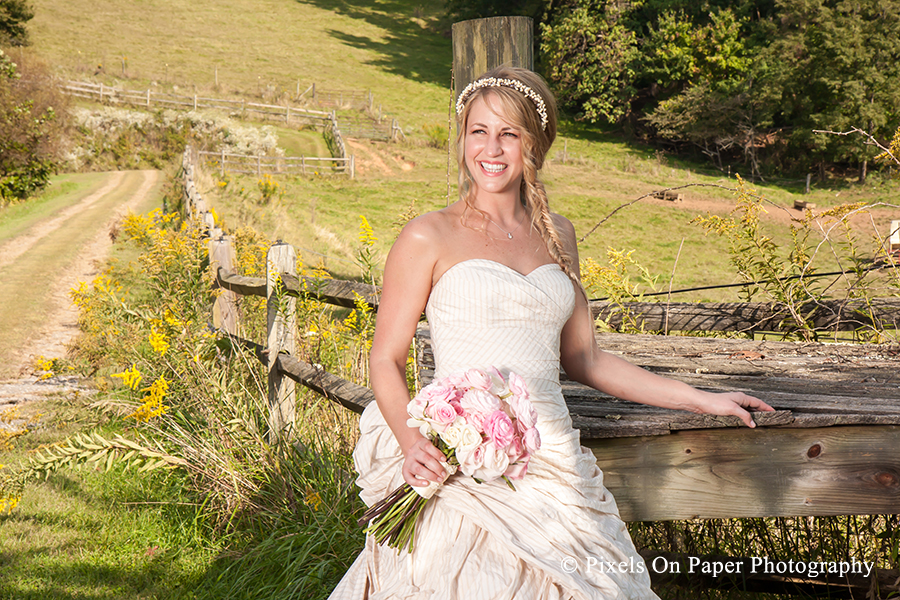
[(92, 535), (256, 47), (398, 50)]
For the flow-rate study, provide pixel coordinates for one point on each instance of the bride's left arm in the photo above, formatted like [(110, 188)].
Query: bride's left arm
[(586, 363)]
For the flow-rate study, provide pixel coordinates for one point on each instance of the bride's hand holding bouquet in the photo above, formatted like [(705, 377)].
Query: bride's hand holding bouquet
[(482, 425)]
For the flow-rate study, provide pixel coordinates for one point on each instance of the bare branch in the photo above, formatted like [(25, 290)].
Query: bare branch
[(871, 140)]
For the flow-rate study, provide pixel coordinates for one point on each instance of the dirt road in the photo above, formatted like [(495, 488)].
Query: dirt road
[(42, 261)]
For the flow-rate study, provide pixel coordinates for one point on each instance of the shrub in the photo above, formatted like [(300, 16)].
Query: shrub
[(30, 126)]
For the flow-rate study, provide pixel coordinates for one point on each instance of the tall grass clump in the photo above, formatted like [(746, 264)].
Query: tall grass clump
[(185, 397)]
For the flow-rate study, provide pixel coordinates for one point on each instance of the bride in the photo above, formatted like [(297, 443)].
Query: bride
[(497, 275)]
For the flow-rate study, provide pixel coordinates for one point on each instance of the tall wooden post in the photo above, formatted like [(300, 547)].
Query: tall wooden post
[(482, 44), (282, 322)]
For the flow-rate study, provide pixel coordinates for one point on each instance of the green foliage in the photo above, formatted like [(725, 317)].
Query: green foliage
[(784, 276), (590, 60), (741, 81), (613, 282), (436, 135), (30, 127), (13, 16)]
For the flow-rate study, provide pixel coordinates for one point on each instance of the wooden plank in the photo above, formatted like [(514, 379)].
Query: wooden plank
[(827, 315), (338, 292), (753, 473), (350, 395), (810, 384)]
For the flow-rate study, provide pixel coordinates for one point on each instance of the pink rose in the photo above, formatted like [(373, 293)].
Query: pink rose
[(499, 429), (515, 449), (517, 386), (479, 401), (532, 440), (436, 392), (517, 469), (525, 414), (458, 407), (478, 379), (457, 379), (441, 412)]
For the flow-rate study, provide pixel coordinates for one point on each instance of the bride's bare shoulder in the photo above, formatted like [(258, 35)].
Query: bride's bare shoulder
[(425, 234)]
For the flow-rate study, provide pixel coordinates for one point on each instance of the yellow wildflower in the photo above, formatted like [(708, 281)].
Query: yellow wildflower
[(313, 499), (152, 405), (158, 341), (130, 377), (366, 233)]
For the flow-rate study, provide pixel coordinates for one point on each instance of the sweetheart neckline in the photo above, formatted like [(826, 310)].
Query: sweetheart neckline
[(499, 264)]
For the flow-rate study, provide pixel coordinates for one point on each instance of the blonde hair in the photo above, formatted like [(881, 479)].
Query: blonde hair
[(520, 111)]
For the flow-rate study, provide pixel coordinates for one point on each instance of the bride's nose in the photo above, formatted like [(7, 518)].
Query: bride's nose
[(493, 147)]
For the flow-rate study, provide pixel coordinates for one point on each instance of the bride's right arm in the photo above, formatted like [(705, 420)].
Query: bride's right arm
[(407, 284)]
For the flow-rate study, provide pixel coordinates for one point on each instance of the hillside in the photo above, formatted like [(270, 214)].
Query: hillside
[(400, 52)]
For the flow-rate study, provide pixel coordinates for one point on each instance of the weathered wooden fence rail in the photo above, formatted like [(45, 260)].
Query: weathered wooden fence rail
[(149, 98), (748, 317), (277, 165)]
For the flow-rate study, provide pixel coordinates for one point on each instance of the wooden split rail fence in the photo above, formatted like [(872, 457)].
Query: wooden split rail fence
[(299, 117), (277, 165)]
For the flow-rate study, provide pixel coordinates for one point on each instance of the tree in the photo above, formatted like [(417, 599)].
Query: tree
[(13, 16), (589, 59), (30, 127), (846, 58)]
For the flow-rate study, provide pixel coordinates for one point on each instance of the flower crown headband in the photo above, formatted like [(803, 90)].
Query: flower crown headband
[(510, 83)]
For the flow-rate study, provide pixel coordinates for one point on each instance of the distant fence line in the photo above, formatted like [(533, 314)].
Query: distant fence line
[(361, 127), (278, 165)]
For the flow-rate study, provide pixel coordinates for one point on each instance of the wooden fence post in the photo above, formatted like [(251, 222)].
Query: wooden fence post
[(282, 322), (352, 166), (222, 167), (225, 308), (482, 44)]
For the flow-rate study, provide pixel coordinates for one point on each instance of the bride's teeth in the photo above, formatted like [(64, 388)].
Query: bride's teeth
[(493, 168)]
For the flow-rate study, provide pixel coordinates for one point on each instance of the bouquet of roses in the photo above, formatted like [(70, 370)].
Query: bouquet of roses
[(486, 427)]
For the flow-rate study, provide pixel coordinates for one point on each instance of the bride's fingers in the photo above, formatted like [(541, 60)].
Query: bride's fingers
[(423, 463)]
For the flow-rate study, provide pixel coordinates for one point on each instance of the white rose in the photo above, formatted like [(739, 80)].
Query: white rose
[(494, 464), (469, 438), (470, 460), (452, 435)]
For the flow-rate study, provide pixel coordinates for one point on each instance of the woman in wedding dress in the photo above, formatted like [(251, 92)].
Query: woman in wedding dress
[(497, 275)]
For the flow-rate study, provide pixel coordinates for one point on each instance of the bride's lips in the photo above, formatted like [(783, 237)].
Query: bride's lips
[(490, 168)]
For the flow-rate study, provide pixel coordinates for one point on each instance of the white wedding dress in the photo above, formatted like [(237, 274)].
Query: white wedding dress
[(558, 535)]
